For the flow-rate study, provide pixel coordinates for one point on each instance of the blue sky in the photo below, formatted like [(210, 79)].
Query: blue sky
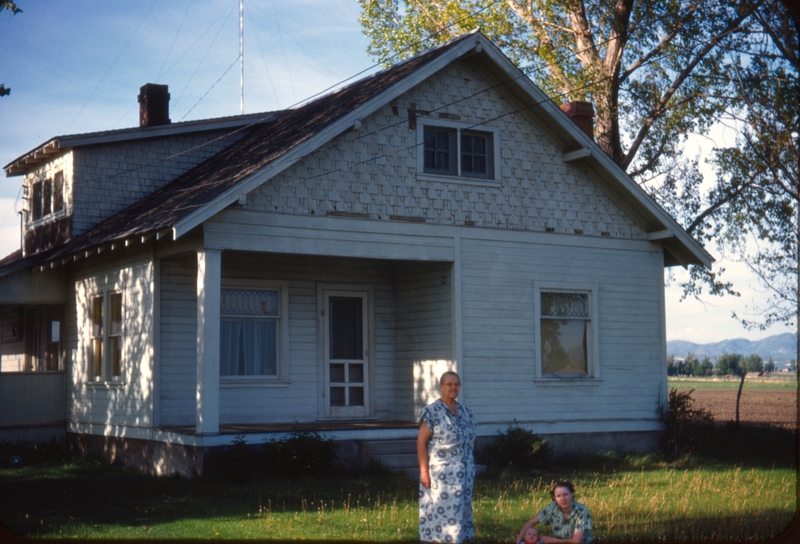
[(76, 67)]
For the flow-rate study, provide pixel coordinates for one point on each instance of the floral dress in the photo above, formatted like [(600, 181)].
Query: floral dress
[(445, 510)]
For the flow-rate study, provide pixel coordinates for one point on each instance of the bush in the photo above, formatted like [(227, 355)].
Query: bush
[(237, 463), (517, 448), (303, 453), (51, 452), (682, 424)]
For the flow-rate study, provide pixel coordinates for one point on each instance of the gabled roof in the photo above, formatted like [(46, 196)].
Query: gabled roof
[(210, 187), (42, 153)]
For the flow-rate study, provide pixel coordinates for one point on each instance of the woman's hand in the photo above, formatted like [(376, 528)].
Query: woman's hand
[(425, 479)]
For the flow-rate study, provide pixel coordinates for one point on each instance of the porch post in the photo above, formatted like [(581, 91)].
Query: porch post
[(209, 270)]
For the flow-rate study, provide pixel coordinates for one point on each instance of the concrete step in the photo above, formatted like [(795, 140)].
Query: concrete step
[(398, 460)]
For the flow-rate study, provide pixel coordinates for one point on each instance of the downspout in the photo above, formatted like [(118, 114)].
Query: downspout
[(21, 233)]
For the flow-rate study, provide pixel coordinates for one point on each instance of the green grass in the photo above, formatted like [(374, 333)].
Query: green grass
[(780, 382), (631, 498)]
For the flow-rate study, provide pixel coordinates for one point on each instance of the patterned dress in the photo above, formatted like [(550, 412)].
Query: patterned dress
[(579, 520), (445, 510)]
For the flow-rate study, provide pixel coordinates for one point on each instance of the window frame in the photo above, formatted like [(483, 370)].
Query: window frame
[(280, 379), (46, 199), (492, 176), (105, 338), (592, 343)]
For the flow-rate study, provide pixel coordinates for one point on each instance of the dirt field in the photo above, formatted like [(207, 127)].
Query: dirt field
[(757, 405)]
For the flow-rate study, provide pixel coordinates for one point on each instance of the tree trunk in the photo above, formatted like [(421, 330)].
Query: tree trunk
[(739, 396)]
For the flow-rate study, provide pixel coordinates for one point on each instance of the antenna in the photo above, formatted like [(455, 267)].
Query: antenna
[(241, 56)]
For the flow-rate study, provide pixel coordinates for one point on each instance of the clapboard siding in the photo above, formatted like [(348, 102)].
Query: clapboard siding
[(284, 402), (131, 401), (178, 358), (498, 312), (423, 314)]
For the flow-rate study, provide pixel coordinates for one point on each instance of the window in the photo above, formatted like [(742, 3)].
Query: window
[(251, 332), (566, 333), (453, 151), (106, 337), (36, 201), (58, 192), (47, 197)]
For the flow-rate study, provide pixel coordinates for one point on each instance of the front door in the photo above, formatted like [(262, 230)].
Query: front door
[(346, 340)]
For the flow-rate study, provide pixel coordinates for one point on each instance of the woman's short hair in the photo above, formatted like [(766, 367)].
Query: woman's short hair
[(563, 483), (446, 374)]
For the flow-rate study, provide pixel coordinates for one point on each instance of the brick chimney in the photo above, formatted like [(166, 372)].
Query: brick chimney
[(582, 113), (153, 105)]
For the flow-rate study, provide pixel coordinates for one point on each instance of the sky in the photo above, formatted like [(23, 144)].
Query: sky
[(76, 67)]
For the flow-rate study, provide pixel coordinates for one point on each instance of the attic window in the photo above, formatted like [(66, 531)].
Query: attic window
[(452, 151), (47, 197)]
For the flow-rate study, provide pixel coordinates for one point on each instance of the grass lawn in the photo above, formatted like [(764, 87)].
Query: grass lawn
[(773, 382), (631, 499)]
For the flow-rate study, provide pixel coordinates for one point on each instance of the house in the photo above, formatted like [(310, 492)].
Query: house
[(319, 268)]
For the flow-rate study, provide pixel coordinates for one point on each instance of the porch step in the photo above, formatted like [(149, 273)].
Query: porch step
[(399, 456)]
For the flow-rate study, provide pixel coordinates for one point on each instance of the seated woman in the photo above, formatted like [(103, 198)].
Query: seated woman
[(571, 521)]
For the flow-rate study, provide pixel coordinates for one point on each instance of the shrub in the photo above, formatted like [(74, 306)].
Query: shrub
[(517, 448), (51, 452), (302, 453), (237, 463), (682, 424)]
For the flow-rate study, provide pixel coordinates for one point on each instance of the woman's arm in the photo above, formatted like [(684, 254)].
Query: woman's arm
[(528, 524), (577, 538), (423, 438)]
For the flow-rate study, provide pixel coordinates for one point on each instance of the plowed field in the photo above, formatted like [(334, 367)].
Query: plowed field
[(756, 405)]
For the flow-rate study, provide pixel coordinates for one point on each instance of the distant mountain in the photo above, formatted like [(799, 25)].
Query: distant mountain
[(781, 347)]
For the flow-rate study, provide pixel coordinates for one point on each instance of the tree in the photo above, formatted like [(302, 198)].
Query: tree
[(7, 5), (728, 364), (760, 177), (770, 366), (654, 70)]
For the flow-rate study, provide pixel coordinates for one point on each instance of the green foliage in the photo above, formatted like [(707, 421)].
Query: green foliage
[(303, 453), (51, 452), (682, 423), (237, 463), (517, 448)]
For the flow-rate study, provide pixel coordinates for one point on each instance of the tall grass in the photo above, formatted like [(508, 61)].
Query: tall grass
[(631, 499)]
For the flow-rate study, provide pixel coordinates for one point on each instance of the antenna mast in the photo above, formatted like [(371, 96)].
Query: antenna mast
[(241, 56)]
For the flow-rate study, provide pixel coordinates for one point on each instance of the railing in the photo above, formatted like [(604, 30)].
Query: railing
[(31, 404)]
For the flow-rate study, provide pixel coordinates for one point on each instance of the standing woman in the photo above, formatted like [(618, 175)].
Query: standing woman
[(446, 466)]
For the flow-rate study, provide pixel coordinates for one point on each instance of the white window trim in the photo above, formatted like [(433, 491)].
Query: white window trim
[(493, 181), (106, 379), (281, 378), (593, 348)]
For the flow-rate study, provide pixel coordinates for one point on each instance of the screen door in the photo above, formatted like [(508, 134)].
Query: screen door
[(346, 355)]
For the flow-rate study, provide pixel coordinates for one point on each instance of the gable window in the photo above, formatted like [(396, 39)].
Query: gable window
[(36, 201), (458, 152), (106, 337), (252, 331), (47, 197), (566, 333)]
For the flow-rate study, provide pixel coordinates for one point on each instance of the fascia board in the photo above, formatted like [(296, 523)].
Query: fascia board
[(251, 182), (581, 141)]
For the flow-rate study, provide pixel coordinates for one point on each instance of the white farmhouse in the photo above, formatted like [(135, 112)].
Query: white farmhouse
[(318, 268)]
